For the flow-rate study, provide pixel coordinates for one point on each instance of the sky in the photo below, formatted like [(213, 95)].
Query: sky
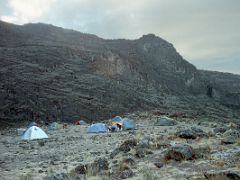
[(205, 32)]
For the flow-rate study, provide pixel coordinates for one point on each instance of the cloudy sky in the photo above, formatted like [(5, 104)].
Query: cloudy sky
[(204, 32)]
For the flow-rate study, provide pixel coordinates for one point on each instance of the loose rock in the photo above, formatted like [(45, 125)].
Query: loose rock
[(180, 152), (192, 133)]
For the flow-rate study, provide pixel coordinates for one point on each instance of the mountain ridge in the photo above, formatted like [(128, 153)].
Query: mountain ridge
[(51, 73)]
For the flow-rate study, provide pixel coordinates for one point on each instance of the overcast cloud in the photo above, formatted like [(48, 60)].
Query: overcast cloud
[(206, 32)]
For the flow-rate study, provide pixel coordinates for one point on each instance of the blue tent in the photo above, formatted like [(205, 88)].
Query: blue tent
[(117, 119), (34, 132), (97, 128), (128, 124), (82, 122), (54, 126)]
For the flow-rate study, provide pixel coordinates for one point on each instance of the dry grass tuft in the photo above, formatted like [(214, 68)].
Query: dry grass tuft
[(238, 165), (123, 166), (238, 141), (216, 177), (218, 163), (72, 174), (41, 142), (26, 177), (147, 174)]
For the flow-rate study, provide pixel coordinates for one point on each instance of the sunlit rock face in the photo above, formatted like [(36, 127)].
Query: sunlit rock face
[(51, 73)]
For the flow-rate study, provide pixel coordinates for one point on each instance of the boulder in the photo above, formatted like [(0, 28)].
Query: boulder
[(124, 147), (228, 140), (81, 169), (228, 175), (220, 129), (127, 145), (158, 164), (126, 174), (232, 132), (186, 134), (192, 133), (140, 152), (100, 164), (180, 152)]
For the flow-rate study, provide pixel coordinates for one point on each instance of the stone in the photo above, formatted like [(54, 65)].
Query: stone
[(127, 145), (158, 164), (228, 140), (192, 133), (228, 175), (163, 144), (101, 164), (233, 133), (124, 147), (180, 152), (140, 152), (186, 134), (128, 173), (40, 171), (81, 169), (221, 129), (96, 167)]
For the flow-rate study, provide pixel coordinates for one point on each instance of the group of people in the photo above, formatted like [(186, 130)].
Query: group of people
[(116, 126)]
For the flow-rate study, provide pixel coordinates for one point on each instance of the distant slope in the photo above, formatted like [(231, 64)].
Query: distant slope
[(223, 87), (51, 73)]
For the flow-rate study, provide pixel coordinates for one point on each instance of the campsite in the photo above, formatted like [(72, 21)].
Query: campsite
[(112, 90), (166, 148)]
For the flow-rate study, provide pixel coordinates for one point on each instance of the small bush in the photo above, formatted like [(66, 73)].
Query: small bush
[(216, 177), (26, 177), (72, 174), (148, 174), (123, 166), (238, 165), (219, 163), (41, 143)]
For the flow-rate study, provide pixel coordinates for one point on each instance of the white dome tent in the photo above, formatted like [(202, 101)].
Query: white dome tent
[(34, 132)]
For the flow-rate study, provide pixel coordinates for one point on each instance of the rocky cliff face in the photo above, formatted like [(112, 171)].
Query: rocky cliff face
[(51, 73), (223, 87)]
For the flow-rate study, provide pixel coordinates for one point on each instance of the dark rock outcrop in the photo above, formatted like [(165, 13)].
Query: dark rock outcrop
[(192, 133), (180, 152), (50, 73), (223, 87)]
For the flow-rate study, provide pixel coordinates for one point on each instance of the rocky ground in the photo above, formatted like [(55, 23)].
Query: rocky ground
[(186, 149)]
